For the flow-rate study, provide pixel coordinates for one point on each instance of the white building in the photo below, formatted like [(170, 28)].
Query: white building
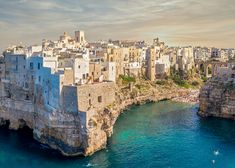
[(81, 70), (163, 64), (185, 58), (34, 49), (110, 68)]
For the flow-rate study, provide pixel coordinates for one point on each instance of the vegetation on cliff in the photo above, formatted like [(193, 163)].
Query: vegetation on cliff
[(135, 88), (125, 79), (188, 79)]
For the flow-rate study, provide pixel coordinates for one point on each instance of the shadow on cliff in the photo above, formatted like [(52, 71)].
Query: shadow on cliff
[(23, 142)]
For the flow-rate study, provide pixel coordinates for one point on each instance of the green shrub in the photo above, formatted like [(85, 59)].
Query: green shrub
[(179, 81), (204, 78), (195, 83), (161, 82), (127, 79)]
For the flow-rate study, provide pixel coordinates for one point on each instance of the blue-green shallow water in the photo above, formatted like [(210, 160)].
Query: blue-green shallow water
[(164, 134)]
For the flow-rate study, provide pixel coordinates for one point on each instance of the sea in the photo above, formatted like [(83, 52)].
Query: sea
[(160, 135)]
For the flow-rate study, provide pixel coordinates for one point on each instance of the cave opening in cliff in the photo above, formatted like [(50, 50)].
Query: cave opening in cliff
[(24, 129), (4, 124)]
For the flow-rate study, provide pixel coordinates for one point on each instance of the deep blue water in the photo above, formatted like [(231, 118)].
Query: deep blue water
[(164, 134)]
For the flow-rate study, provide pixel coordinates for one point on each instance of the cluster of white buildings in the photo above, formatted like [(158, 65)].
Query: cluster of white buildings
[(100, 61), (53, 65)]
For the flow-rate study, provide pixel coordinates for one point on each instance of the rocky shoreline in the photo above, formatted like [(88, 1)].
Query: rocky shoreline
[(191, 96), (70, 136), (109, 116)]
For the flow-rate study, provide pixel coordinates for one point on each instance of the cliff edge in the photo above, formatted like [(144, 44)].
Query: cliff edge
[(85, 131), (217, 96)]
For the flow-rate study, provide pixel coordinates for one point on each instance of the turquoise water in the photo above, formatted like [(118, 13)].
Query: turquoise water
[(164, 134)]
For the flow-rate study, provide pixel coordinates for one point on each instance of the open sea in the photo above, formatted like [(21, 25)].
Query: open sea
[(159, 135)]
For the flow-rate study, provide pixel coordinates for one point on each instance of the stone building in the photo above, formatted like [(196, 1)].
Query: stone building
[(109, 71), (97, 95), (163, 65), (81, 70), (215, 53), (135, 54), (185, 58), (132, 69), (120, 56), (202, 54), (80, 67), (2, 68), (95, 71), (15, 68), (151, 66), (80, 37)]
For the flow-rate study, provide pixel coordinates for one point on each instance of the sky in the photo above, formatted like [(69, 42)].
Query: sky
[(177, 22)]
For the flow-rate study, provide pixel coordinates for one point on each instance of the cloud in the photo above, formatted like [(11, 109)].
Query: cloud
[(183, 22)]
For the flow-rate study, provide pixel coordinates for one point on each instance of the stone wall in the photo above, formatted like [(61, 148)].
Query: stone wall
[(69, 99), (97, 95), (95, 71), (73, 129)]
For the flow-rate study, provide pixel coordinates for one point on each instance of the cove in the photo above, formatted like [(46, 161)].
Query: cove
[(163, 134)]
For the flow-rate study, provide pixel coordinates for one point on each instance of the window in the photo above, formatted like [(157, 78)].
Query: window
[(26, 85), (31, 65), (24, 66), (8, 94), (84, 76), (99, 99), (32, 77), (89, 94), (89, 102), (39, 79), (27, 97), (16, 67), (39, 65), (79, 66)]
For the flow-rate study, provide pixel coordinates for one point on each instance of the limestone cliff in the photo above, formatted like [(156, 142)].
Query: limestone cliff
[(217, 97), (81, 133)]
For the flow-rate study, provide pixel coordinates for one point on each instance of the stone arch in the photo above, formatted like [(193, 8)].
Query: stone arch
[(209, 70), (201, 68)]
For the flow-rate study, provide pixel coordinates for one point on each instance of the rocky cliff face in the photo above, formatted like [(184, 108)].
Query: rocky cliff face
[(70, 133), (217, 98)]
